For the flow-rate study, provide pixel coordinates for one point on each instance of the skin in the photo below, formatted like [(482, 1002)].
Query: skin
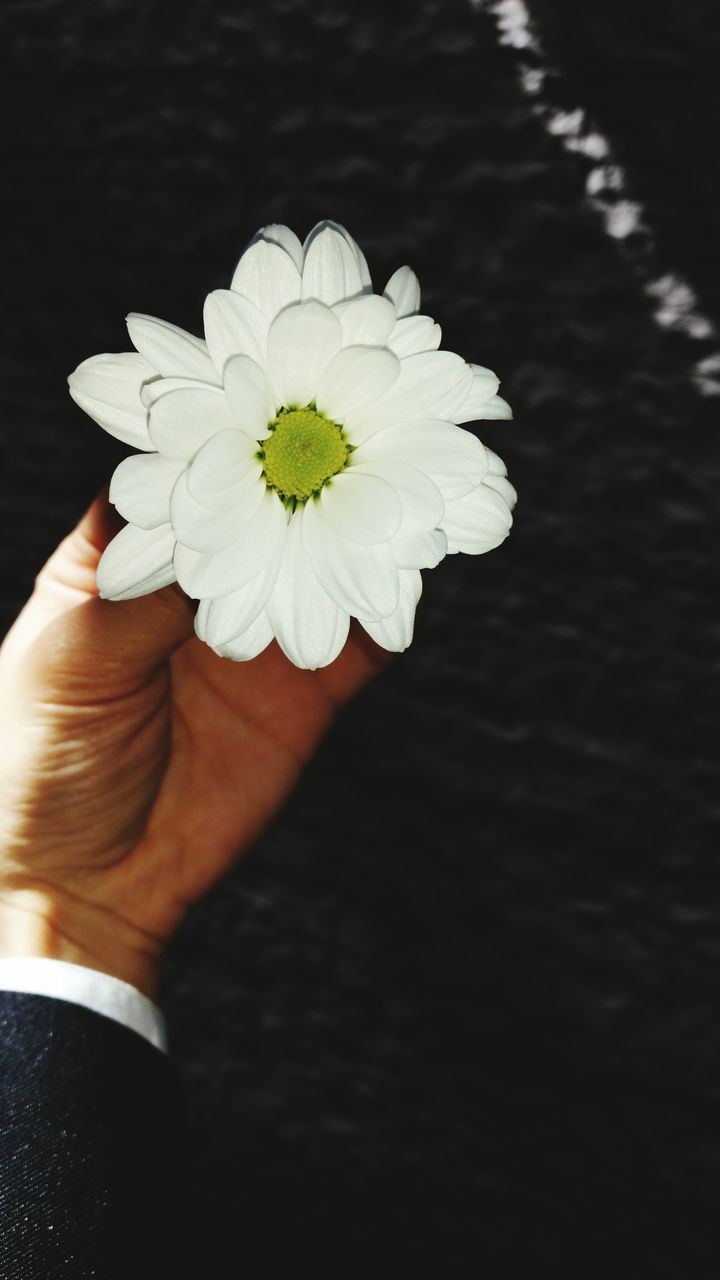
[(136, 766)]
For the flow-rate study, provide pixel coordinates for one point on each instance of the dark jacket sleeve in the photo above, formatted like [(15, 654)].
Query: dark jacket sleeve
[(92, 1147)]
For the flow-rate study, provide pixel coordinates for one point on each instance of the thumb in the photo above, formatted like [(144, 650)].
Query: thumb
[(140, 633), (69, 626)]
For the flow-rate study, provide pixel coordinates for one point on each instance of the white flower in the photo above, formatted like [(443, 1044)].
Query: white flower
[(304, 462)]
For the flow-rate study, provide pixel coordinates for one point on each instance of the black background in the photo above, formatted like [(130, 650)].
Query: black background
[(459, 1009)]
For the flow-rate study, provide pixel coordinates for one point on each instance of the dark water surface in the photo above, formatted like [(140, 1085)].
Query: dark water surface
[(459, 1009)]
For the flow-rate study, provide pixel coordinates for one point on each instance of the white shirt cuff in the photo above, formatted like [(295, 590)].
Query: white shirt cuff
[(110, 996)]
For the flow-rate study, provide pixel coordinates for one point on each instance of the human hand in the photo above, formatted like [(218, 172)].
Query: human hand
[(135, 764)]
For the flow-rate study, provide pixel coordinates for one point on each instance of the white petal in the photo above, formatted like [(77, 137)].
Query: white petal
[(432, 384), (252, 642), (361, 507), (152, 391), (210, 529), (354, 380), (219, 621), (224, 571), (361, 580), (141, 486), (420, 550), (357, 251), (223, 468), (267, 275), (308, 625), (187, 563), (421, 500), (248, 396), (413, 334), (494, 408), (359, 255), (276, 233), (484, 385), (234, 326), (366, 321), (301, 342), (403, 290), (342, 626), (477, 522), (396, 632), (496, 466), (182, 420), (136, 562), (502, 485), (453, 458), (331, 271), (483, 374), (108, 388), (171, 351)]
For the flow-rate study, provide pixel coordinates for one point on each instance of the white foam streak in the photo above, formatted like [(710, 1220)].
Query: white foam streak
[(676, 306)]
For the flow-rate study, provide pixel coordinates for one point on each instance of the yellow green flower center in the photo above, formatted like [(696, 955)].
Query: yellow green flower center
[(302, 453)]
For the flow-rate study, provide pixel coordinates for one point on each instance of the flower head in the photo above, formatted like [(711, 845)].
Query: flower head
[(301, 464)]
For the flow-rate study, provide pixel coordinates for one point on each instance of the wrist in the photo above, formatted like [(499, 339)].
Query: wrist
[(44, 922)]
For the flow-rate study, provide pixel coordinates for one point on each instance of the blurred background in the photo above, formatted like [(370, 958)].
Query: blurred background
[(459, 1008)]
